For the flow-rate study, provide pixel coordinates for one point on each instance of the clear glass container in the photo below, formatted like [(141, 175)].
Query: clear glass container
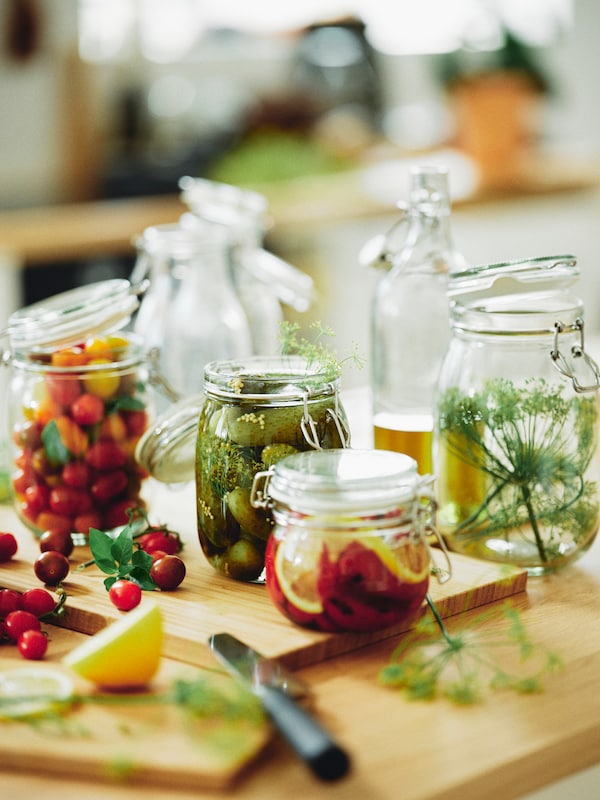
[(77, 408), (256, 413), (348, 550), (262, 280), (516, 418), (190, 313), (410, 327)]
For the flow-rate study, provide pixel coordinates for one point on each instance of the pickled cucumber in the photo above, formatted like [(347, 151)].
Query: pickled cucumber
[(257, 522), (273, 453)]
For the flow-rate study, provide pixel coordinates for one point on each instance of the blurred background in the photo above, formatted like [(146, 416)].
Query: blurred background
[(321, 105)]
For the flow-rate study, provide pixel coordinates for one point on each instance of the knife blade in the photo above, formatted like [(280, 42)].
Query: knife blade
[(302, 731)]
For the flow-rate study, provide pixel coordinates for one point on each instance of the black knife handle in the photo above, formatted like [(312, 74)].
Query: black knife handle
[(305, 735)]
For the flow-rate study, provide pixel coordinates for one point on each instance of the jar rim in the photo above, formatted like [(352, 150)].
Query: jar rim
[(534, 313), (345, 481), (270, 378), (67, 318)]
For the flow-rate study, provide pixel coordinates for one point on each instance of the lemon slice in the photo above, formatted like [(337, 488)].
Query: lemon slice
[(32, 691), (124, 655), (298, 577), (407, 560)]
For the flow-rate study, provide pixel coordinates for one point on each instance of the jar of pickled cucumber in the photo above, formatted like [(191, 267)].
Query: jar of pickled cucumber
[(256, 412), (77, 407), (349, 549)]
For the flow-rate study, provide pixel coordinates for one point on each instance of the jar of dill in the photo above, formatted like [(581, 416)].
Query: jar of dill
[(515, 428)]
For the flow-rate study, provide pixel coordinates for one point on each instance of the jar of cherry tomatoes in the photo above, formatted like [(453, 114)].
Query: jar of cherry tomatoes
[(77, 406), (348, 550)]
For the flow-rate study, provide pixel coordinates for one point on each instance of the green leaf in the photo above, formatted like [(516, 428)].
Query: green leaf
[(108, 582), (125, 404), (140, 575), (100, 546), (56, 452), (122, 547), (141, 558)]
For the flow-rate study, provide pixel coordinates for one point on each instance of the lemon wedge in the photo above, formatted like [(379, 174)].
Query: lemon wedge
[(125, 654), (32, 691)]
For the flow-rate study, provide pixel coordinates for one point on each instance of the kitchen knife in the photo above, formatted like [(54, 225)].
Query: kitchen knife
[(303, 733)]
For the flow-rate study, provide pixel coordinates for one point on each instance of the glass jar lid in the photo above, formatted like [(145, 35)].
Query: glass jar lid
[(344, 480), (540, 274), (67, 318), (168, 448)]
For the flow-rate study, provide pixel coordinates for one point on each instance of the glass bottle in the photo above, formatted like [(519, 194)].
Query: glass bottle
[(516, 418), (253, 412), (410, 326), (348, 550), (262, 280), (78, 404), (190, 313)]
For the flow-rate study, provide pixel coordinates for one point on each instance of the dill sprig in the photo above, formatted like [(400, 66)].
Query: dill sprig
[(317, 351), (532, 447), (430, 662)]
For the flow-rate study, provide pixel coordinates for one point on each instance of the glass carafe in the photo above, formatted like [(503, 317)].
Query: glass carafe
[(190, 313), (262, 280), (516, 418)]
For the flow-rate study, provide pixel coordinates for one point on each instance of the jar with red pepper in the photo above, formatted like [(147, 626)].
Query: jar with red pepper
[(77, 407), (348, 550)]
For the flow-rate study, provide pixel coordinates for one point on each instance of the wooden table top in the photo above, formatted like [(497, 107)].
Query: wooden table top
[(504, 747)]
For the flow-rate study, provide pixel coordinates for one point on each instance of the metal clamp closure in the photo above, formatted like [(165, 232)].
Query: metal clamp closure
[(259, 493), (309, 428), (576, 364), (425, 524)]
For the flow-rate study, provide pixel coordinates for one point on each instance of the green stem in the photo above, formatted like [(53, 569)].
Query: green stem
[(440, 622), (533, 521)]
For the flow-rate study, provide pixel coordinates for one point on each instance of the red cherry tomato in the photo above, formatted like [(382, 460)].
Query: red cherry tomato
[(125, 594), (69, 502), (51, 567), (108, 485), (10, 600), (167, 572), (106, 455), (38, 602), (32, 645), (88, 409), (167, 541), (63, 389), (76, 474), (17, 622), (8, 546), (83, 522)]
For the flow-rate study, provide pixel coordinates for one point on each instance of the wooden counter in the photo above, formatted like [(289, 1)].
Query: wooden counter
[(503, 748)]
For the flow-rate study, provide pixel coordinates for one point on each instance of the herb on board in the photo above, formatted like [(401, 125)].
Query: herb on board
[(460, 666), (532, 447)]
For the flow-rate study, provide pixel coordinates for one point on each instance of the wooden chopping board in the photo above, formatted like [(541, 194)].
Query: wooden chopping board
[(151, 744), (207, 603)]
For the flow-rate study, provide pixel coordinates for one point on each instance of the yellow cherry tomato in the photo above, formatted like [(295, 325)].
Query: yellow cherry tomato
[(103, 383)]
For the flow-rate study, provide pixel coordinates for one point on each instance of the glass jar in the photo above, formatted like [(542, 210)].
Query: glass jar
[(348, 551), (410, 324), (256, 413), (517, 416), (190, 313), (77, 408)]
